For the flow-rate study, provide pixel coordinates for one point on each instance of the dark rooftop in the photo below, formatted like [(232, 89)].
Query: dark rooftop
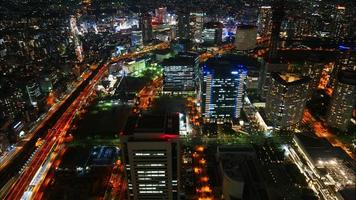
[(213, 25), (180, 59), (246, 26), (153, 124), (347, 77), (320, 148)]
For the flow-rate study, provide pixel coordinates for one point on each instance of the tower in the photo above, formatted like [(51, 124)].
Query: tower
[(286, 99), (277, 17), (146, 27), (151, 154), (343, 100), (222, 90)]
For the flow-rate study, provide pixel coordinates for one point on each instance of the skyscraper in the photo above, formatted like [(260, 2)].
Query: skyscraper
[(342, 101), (222, 90), (151, 154), (265, 21), (277, 17), (183, 24), (343, 21), (161, 14), (196, 23), (286, 99), (146, 27)]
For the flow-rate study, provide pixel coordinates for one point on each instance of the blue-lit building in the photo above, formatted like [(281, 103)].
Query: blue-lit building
[(222, 90)]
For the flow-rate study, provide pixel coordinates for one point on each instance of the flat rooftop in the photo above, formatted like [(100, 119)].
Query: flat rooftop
[(233, 59), (178, 61), (289, 79), (347, 77), (152, 124), (181, 59)]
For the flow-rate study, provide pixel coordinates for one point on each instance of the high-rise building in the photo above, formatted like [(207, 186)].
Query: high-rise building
[(146, 27), (245, 37), (222, 90), (346, 61), (342, 22), (180, 74), (183, 24), (265, 21), (253, 67), (34, 93), (286, 100), (151, 155), (161, 14), (212, 33), (277, 17), (196, 23), (342, 101), (266, 78)]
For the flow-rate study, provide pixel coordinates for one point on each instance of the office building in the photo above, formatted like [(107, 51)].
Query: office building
[(341, 22), (34, 93), (183, 24), (196, 23), (222, 90), (245, 39), (146, 28), (136, 66), (343, 101), (277, 17), (136, 38), (286, 100), (180, 74), (252, 65), (151, 155), (265, 21), (212, 33)]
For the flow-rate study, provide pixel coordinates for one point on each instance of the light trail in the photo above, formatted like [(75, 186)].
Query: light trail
[(56, 136)]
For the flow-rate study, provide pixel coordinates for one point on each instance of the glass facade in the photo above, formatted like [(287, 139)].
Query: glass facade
[(223, 90)]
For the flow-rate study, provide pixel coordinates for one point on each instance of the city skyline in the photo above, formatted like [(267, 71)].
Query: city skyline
[(176, 99)]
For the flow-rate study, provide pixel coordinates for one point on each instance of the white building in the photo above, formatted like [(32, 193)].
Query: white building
[(151, 154)]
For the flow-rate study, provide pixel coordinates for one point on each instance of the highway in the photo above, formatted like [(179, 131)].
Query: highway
[(6, 159), (54, 139), (13, 164)]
